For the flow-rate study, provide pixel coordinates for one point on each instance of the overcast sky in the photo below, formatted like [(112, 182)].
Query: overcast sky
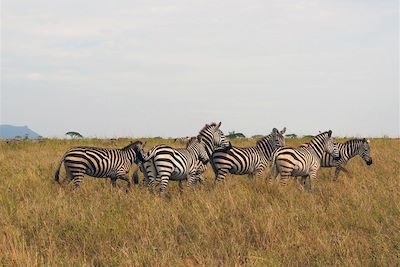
[(165, 68)]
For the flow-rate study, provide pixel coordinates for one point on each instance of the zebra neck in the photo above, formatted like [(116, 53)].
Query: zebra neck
[(316, 148), (265, 149), (351, 148), (208, 144), (131, 155), (193, 157)]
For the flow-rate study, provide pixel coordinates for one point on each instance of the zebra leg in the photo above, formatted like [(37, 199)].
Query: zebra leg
[(77, 179), (180, 186), (114, 182), (284, 179), (336, 175), (193, 180), (313, 176), (259, 172), (274, 173), (221, 174), (164, 178), (201, 179), (271, 178), (125, 177)]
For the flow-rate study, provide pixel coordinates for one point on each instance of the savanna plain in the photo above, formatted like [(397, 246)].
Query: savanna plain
[(354, 221)]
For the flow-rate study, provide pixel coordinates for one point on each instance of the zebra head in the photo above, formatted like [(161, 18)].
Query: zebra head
[(213, 138), (279, 138), (330, 145), (136, 149), (364, 152), (199, 149)]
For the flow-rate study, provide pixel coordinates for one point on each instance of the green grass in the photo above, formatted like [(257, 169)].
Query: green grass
[(354, 221)]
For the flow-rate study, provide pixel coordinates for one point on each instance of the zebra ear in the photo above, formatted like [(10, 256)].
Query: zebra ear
[(219, 124), (275, 131), (330, 133), (283, 130), (199, 138)]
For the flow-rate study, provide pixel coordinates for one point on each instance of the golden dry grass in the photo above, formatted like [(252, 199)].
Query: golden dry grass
[(353, 222)]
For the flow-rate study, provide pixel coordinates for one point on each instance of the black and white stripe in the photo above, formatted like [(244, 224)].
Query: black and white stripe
[(303, 161), (164, 163), (347, 151), (247, 160), (100, 162)]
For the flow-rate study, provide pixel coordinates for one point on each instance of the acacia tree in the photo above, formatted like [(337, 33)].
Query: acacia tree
[(74, 134)]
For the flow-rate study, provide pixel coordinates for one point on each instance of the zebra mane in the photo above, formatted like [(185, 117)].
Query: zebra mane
[(265, 138), (322, 135), (356, 140), (207, 126), (136, 143)]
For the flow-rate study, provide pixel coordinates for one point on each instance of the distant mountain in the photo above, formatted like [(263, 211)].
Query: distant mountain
[(10, 132)]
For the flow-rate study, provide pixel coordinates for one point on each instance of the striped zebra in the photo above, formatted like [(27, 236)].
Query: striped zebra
[(347, 151), (195, 174), (180, 164), (164, 163), (247, 160), (100, 162), (303, 161)]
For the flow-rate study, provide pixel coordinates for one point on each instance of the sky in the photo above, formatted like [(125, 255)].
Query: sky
[(166, 68)]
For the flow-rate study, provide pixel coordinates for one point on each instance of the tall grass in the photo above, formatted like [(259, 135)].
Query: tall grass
[(354, 221)]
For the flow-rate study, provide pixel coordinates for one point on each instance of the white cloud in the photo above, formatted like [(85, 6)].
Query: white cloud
[(157, 49)]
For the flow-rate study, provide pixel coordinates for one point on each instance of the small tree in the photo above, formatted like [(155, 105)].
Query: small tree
[(74, 134), (234, 134)]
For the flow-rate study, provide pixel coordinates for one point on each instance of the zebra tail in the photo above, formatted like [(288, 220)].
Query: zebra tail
[(213, 166), (135, 176), (57, 173)]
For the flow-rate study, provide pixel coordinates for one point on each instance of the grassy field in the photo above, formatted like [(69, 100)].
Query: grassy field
[(353, 222)]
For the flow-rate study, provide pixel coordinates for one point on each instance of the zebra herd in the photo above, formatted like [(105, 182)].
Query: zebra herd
[(164, 163)]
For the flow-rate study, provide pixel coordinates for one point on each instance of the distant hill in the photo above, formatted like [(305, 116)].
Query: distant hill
[(10, 132)]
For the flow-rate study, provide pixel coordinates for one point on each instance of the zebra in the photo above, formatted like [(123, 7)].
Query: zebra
[(100, 162), (347, 151), (303, 161), (164, 163), (195, 174), (247, 160), (176, 164)]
